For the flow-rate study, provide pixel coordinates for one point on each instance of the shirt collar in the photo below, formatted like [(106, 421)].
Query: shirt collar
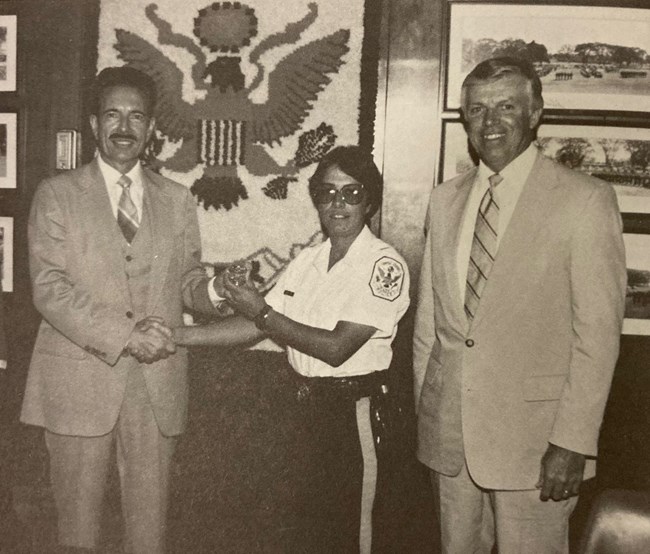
[(111, 175), (519, 168), (357, 248)]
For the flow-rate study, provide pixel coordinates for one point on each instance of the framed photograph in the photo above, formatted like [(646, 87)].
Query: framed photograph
[(8, 140), (588, 57), (637, 298), (457, 155), (7, 253), (618, 155), (7, 53)]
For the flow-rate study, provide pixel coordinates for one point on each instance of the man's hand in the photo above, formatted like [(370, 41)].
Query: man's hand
[(560, 474), (150, 340)]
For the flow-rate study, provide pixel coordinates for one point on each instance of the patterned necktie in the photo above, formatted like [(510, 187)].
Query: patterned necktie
[(484, 247), (127, 214)]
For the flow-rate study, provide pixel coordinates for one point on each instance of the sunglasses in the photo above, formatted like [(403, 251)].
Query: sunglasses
[(325, 194)]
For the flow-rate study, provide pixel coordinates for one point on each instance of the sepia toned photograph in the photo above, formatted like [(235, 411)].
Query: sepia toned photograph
[(7, 150), (618, 155), (7, 53), (588, 58), (227, 270), (637, 298), (7, 253)]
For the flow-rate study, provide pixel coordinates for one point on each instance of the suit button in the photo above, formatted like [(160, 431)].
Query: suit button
[(469, 343), (129, 314), (128, 258)]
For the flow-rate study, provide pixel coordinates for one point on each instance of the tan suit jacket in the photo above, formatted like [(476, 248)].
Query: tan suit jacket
[(535, 365), (77, 375)]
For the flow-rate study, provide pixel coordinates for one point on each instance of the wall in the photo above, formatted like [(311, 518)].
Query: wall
[(53, 57)]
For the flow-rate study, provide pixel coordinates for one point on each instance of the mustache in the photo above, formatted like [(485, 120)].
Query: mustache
[(123, 136)]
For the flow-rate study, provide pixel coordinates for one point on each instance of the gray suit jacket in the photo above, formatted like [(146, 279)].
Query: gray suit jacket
[(535, 365), (77, 374)]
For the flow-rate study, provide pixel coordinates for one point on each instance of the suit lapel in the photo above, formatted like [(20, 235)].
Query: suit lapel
[(159, 211), (516, 246), (105, 236), (454, 214)]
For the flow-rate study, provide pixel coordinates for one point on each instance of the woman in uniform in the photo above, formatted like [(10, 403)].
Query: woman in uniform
[(336, 308)]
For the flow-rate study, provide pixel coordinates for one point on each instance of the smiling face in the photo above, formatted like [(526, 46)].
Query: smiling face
[(339, 219), (500, 118), (122, 126)]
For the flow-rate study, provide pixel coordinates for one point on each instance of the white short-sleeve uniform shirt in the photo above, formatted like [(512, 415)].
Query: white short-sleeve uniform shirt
[(369, 286)]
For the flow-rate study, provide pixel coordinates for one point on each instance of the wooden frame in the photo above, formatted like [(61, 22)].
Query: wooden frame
[(7, 253), (8, 33), (8, 149), (611, 79)]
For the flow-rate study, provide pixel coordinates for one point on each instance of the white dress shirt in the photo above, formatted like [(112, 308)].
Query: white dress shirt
[(515, 175), (112, 175)]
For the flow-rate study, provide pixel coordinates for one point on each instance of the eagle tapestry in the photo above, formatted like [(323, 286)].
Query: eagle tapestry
[(250, 95)]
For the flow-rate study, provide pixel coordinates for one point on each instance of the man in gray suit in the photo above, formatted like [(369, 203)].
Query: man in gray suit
[(110, 244), (517, 327)]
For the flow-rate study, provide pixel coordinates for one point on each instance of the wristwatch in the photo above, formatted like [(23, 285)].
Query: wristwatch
[(261, 317)]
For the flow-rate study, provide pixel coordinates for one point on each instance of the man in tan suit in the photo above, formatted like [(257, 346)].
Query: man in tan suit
[(110, 244), (517, 327)]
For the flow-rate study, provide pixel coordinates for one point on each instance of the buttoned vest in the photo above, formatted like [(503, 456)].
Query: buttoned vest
[(137, 258)]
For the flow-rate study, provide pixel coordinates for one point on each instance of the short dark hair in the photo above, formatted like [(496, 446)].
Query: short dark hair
[(358, 164), (496, 68), (123, 76)]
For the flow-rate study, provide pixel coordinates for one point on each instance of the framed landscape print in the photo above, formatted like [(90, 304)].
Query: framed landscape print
[(618, 155), (7, 253), (588, 57), (7, 53), (8, 150), (637, 298)]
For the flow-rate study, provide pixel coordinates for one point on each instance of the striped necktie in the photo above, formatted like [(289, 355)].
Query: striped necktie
[(484, 247), (127, 214)]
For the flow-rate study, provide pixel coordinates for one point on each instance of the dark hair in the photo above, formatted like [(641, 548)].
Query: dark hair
[(123, 76), (358, 164), (499, 67)]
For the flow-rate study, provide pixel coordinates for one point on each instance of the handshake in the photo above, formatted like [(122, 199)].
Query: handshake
[(151, 340)]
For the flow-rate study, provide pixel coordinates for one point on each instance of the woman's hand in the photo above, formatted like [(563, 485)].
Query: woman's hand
[(244, 298)]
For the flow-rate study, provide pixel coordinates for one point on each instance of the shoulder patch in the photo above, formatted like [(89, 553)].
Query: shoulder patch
[(387, 278)]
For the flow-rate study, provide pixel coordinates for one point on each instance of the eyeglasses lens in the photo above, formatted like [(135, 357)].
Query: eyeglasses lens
[(351, 194)]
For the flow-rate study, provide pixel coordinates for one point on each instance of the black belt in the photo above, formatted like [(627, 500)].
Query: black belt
[(352, 387)]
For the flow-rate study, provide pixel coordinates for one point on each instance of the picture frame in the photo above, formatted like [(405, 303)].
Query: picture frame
[(8, 35), (610, 76), (637, 298), (8, 149), (617, 154), (7, 253)]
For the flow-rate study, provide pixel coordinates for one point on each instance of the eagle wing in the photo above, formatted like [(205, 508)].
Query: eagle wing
[(294, 85), (174, 116)]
